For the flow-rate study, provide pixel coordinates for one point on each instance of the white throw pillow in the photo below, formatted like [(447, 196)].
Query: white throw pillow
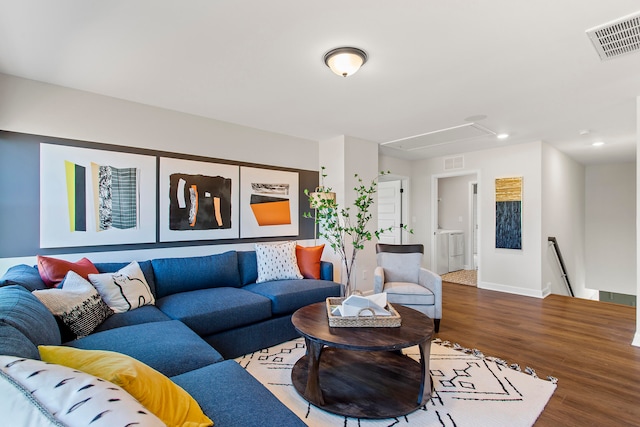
[(277, 262), (124, 290), (77, 304), (36, 393)]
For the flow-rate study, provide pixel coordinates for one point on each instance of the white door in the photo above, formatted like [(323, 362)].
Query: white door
[(390, 211)]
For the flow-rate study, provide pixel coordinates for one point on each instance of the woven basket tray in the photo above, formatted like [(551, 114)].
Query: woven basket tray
[(374, 321)]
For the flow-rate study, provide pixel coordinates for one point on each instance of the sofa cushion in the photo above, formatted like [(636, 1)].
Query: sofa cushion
[(53, 270), (145, 314), (248, 266), (23, 275), (20, 309), (156, 392), (173, 275), (208, 311), (59, 395), (287, 296), (242, 401), (277, 262), (76, 303), (15, 343), (145, 266), (125, 289), (168, 347)]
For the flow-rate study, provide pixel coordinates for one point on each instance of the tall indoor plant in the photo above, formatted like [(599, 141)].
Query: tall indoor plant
[(339, 226)]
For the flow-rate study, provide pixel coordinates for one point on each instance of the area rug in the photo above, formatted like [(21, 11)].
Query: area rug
[(462, 277), (470, 389)]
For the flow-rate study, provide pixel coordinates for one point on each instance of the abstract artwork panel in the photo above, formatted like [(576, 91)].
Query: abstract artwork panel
[(198, 200), (509, 213), (269, 202), (116, 196), (105, 197)]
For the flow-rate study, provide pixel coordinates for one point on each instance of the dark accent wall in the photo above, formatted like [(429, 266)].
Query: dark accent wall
[(20, 197)]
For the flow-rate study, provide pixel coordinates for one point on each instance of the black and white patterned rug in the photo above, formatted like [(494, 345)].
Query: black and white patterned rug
[(470, 389)]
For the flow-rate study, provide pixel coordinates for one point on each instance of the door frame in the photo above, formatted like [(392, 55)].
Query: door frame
[(434, 210)]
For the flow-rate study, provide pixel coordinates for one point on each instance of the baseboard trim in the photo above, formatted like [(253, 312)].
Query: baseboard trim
[(541, 293), (636, 339)]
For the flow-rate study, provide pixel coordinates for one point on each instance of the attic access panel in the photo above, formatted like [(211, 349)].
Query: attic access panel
[(440, 137)]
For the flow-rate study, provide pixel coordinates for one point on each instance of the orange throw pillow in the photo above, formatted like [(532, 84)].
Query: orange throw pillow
[(309, 261), (53, 270)]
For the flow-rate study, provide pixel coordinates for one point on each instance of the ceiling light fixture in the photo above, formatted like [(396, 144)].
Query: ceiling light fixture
[(598, 144), (345, 61), (502, 136)]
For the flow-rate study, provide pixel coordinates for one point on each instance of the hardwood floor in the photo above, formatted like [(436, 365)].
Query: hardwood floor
[(585, 344)]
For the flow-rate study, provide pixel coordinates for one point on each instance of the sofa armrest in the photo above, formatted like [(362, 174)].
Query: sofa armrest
[(378, 280), (326, 270), (433, 282)]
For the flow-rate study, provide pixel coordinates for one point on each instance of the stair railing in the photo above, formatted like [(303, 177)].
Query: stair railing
[(565, 276)]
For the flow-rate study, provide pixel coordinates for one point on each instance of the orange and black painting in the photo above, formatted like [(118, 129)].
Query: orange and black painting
[(199, 202)]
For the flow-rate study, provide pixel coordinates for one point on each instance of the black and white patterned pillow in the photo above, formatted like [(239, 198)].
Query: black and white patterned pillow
[(124, 290), (277, 262), (77, 304), (44, 394)]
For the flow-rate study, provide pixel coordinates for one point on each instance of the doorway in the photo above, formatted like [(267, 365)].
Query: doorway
[(456, 226)]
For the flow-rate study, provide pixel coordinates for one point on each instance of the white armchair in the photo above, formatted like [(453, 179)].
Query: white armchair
[(400, 275)]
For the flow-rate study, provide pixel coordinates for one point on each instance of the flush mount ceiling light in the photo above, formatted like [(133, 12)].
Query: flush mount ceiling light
[(502, 136), (345, 61)]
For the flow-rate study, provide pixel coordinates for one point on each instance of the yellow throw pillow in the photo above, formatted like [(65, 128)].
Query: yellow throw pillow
[(168, 401)]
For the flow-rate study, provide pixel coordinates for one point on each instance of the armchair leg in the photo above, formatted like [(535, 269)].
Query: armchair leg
[(436, 325)]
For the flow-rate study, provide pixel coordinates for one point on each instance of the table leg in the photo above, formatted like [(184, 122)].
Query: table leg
[(312, 392), (425, 380)]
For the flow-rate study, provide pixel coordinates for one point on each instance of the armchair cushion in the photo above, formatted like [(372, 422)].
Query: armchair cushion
[(400, 267), (408, 293)]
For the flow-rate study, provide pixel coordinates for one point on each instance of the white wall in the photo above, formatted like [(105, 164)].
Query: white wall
[(563, 217), (610, 223), (38, 108), (636, 338), (516, 271), (343, 157)]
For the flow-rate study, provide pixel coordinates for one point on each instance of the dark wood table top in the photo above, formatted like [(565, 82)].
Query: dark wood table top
[(312, 322)]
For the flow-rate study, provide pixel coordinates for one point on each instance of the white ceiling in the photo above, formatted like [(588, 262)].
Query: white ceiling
[(527, 66)]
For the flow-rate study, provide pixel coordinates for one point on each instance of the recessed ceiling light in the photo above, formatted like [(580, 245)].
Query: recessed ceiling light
[(502, 136), (598, 144)]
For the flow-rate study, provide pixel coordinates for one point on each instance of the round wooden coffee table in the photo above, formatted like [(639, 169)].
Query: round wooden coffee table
[(360, 372)]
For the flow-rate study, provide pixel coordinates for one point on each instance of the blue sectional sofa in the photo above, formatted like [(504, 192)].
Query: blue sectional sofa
[(208, 310)]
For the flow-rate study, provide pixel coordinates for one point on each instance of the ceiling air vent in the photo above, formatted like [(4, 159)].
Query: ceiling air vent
[(617, 37), (453, 163)]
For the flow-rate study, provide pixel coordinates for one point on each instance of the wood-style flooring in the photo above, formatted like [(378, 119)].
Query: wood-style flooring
[(585, 344)]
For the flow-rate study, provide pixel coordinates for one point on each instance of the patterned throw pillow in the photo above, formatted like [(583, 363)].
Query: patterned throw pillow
[(44, 394), (77, 304), (124, 290), (277, 262), (168, 401)]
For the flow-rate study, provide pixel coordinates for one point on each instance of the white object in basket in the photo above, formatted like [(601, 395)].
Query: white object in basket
[(354, 305)]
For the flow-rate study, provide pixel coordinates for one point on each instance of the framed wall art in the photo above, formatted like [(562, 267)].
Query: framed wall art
[(198, 200), (91, 197), (509, 213), (269, 202)]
